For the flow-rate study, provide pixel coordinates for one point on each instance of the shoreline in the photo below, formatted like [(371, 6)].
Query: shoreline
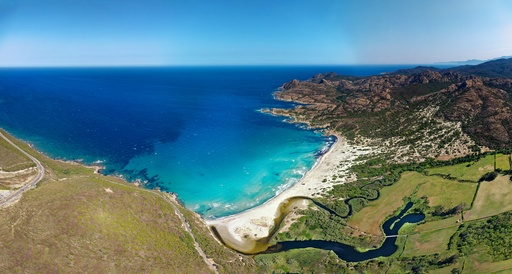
[(249, 230)]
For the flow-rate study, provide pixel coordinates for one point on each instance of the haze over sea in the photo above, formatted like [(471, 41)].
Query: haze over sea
[(195, 131)]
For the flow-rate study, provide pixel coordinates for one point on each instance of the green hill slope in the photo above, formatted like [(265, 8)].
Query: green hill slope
[(78, 221)]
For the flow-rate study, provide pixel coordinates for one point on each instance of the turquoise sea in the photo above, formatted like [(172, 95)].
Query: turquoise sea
[(194, 131)]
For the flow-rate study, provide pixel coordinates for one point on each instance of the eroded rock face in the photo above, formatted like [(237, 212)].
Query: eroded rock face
[(373, 93), (484, 111), (481, 105)]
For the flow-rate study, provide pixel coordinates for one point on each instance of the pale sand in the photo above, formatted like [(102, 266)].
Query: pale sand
[(246, 230)]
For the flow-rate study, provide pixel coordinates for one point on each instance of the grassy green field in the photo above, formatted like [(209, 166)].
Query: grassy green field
[(439, 224), (432, 238), (477, 263), (473, 171), (439, 191), (370, 218), (431, 242), (492, 198), (91, 223), (446, 192), (308, 260)]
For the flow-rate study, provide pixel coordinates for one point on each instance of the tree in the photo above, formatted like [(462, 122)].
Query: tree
[(489, 176)]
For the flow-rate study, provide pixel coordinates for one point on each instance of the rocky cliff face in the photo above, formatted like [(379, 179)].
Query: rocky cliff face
[(408, 109), (484, 111)]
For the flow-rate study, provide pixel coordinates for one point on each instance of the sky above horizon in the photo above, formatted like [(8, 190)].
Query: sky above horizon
[(230, 32)]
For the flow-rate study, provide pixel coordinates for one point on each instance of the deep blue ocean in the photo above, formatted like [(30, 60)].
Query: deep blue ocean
[(194, 131)]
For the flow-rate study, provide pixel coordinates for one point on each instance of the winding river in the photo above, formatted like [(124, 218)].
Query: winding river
[(349, 253)]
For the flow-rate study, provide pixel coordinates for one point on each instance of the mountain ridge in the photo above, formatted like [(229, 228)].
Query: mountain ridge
[(447, 112), (471, 61), (495, 68)]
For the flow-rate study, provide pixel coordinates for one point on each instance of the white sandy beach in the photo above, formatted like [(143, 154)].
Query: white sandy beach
[(243, 230)]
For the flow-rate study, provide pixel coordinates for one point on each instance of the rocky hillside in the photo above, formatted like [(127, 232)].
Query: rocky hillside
[(427, 113)]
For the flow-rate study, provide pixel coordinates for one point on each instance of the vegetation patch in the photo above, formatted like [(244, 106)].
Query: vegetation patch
[(488, 177), (492, 236), (438, 191), (226, 259), (76, 224), (473, 170), (430, 242), (370, 218), (492, 198), (408, 92), (384, 188), (319, 224), (308, 260), (453, 221), (477, 264), (446, 193)]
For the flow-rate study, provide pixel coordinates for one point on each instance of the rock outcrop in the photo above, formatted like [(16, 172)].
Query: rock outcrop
[(408, 108)]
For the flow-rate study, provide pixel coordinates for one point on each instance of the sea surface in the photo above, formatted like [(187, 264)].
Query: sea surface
[(194, 131)]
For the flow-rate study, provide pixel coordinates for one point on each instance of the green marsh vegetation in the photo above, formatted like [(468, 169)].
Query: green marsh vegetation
[(452, 194)]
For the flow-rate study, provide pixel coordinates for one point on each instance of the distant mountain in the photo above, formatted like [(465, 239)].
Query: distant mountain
[(471, 62), (498, 68)]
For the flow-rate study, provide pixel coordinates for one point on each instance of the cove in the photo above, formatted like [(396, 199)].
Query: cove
[(349, 253)]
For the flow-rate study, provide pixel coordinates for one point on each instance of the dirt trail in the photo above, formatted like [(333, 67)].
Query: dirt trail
[(209, 262)]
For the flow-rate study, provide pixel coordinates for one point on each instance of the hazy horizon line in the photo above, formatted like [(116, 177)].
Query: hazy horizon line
[(224, 65)]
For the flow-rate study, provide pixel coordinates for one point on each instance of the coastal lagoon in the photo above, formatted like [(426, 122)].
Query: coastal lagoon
[(194, 131)]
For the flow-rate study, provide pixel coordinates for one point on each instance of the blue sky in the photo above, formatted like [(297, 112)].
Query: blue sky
[(224, 32)]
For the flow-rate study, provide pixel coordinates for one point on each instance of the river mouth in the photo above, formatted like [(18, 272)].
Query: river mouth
[(351, 254)]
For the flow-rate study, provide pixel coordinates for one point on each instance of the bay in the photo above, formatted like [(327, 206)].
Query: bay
[(194, 131)]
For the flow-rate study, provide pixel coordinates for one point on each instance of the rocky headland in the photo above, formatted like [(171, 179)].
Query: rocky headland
[(411, 115)]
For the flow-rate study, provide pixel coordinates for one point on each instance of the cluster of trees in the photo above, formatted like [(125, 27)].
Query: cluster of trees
[(493, 234), (319, 224), (417, 265), (422, 264), (488, 177), (441, 211)]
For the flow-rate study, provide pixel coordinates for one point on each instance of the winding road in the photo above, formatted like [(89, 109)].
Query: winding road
[(31, 184)]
